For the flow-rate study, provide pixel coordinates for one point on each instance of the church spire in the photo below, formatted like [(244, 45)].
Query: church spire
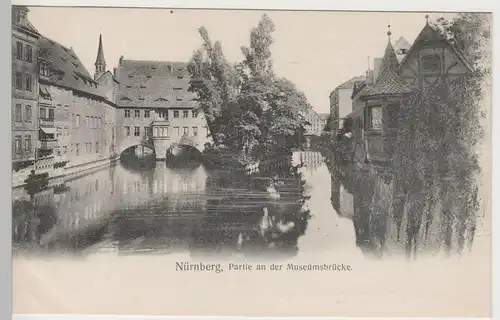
[(100, 63)]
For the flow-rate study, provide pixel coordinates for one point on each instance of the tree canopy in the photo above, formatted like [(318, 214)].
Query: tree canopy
[(249, 109)]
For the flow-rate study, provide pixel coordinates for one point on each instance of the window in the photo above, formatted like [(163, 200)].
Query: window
[(17, 144), (51, 114), (431, 63), (77, 149), (146, 113), (97, 147), (29, 54), (146, 132), (374, 118), (87, 122), (65, 149), (127, 113), (185, 113), (19, 80), (163, 114), (19, 50), (185, 131), (176, 113), (195, 114), (66, 131), (165, 132), (66, 108), (176, 131), (27, 143), (43, 113), (58, 131), (137, 113), (137, 131), (28, 82), (77, 121), (195, 131), (127, 131), (18, 113), (392, 114)]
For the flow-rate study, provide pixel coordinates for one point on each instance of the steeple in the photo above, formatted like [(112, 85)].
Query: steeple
[(388, 82), (100, 63)]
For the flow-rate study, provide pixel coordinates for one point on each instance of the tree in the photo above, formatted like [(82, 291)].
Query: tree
[(436, 159), (250, 111)]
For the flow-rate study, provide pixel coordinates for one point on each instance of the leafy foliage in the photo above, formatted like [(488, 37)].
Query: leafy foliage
[(436, 158), (249, 110)]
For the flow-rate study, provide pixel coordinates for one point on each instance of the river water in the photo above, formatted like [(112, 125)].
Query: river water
[(151, 207)]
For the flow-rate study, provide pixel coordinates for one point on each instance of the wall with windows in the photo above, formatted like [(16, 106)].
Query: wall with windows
[(24, 87), (139, 125)]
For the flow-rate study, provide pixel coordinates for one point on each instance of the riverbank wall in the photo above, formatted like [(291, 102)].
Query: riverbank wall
[(67, 172)]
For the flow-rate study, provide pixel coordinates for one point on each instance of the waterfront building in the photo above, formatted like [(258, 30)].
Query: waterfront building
[(316, 122), (429, 61), (341, 102), (155, 108), (24, 121), (77, 108)]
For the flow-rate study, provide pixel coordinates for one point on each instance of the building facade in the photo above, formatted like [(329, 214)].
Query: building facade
[(75, 113), (24, 93), (155, 109), (430, 61), (341, 101), (316, 122)]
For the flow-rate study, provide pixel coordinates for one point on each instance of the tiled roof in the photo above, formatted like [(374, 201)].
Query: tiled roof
[(64, 61), (429, 34), (160, 84), (388, 82)]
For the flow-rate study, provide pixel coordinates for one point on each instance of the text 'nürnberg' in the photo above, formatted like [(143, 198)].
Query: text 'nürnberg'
[(238, 267)]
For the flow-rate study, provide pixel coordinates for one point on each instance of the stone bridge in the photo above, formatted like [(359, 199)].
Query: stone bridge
[(162, 142)]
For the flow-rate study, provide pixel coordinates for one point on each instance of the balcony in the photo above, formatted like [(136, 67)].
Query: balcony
[(48, 144), (46, 122)]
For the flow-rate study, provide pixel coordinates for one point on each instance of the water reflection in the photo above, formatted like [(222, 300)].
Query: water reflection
[(154, 207)]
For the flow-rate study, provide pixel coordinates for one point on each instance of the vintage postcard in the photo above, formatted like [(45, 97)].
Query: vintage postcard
[(251, 163)]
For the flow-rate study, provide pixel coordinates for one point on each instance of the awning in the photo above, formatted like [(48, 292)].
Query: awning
[(44, 90), (48, 130)]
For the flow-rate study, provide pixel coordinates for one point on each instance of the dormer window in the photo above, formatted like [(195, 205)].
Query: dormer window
[(169, 68), (143, 86), (431, 63)]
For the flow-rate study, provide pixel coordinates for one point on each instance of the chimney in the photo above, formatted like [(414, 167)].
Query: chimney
[(114, 71), (121, 61)]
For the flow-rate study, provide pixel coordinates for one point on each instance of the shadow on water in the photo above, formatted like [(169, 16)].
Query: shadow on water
[(388, 224), (149, 206)]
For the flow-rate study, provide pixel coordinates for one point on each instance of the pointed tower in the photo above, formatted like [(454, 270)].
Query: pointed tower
[(100, 63), (381, 102)]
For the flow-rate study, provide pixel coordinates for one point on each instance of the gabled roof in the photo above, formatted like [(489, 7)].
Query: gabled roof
[(348, 84), (429, 34), (388, 81), (161, 84), (65, 62)]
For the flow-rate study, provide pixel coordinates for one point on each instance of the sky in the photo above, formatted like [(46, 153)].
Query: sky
[(317, 50)]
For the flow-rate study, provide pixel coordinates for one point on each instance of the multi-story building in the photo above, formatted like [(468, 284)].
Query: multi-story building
[(341, 101), (316, 122), (24, 93), (429, 61), (76, 107), (155, 108)]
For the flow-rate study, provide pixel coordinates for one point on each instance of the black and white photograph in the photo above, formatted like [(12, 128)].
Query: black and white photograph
[(187, 162)]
